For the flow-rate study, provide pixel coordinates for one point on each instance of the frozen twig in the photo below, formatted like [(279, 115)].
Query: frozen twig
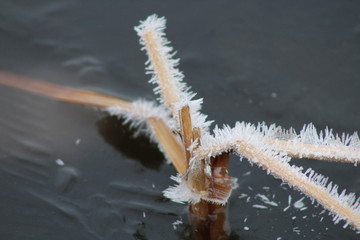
[(314, 144), (307, 144), (174, 93), (248, 141), (161, 65), (343, 206), (342, 154)]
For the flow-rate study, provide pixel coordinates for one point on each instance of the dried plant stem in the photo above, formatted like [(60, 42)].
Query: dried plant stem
[(318, 152), (196, 176), (61, 93), (162, 70), (169, 143), (186, 131), (299, 181)]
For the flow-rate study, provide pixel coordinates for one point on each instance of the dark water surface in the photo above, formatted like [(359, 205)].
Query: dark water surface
[(284, 62)]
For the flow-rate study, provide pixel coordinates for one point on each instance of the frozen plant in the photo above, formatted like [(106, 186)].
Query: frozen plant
[(200, 155)]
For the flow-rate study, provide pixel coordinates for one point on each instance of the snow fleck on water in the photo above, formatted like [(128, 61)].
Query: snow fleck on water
[(250, 188), (258, 206), (77, 142), (177, 223), (279, 238), (266, 200), (59, 162), (296, 230), (293, 218), (153, 186), (289, 204), (272, 203), (144, 215), (287, 208), (243, 195), (299, 204), (274, 95), (303, 209), (246, 228), (262, 197), (245, 220), (247, 174)]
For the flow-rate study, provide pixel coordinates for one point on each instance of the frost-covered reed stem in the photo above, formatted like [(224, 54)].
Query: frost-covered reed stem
[(174, 93), (342, 210), (161, 65), (342, 154), (308, 144)]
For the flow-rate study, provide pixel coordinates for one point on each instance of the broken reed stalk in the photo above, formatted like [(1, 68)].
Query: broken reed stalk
[(299, 181), (208, 220), (196, 179), (186, 131)]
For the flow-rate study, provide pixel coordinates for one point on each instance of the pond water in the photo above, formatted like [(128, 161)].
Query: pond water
[(72, 172)]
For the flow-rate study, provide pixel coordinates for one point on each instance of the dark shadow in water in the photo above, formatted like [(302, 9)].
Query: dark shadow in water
[(187, 232), (121, 137)]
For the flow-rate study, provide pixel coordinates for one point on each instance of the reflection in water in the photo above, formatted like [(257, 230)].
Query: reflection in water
[(121, 137), (209, 221)]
